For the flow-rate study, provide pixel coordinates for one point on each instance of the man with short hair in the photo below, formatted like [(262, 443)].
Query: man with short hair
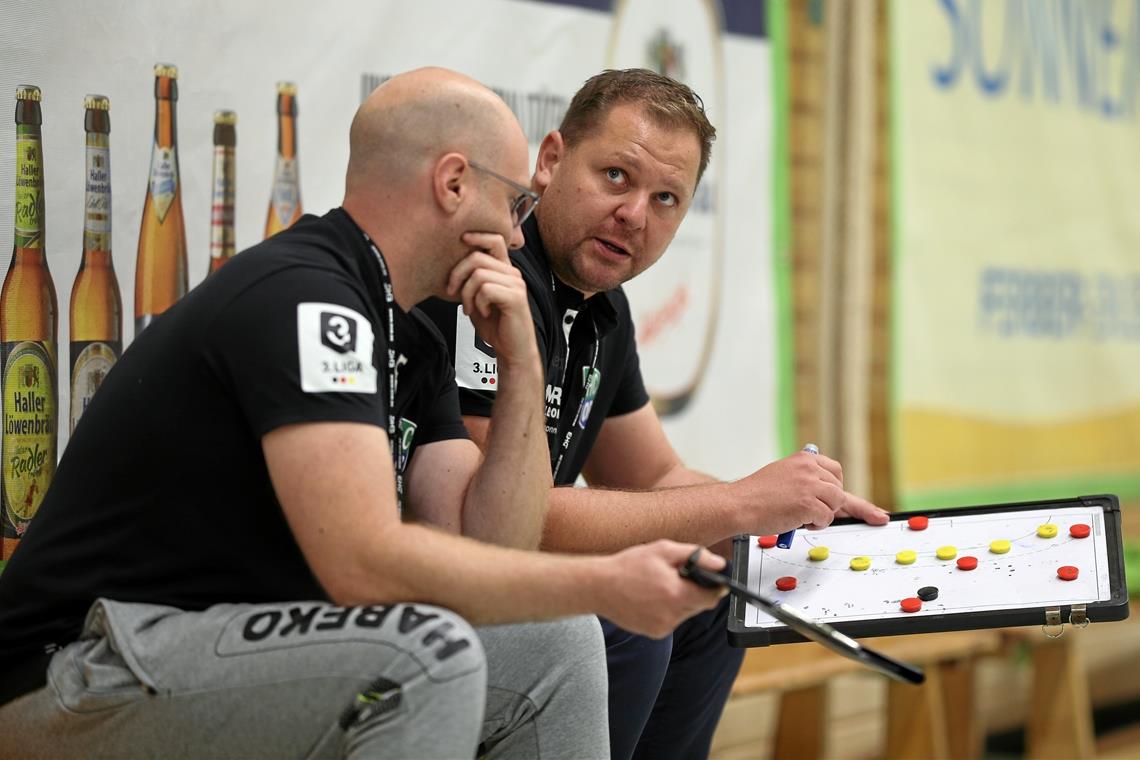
[(220, 568), (616, 180)]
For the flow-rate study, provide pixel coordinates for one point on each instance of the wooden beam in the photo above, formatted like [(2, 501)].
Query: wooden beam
[(916, 720), (801, 725), (1059, 724)]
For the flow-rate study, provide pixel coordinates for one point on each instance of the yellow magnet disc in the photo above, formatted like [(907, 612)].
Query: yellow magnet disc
[(1001, 546), (818, 553), (1048, 530), (946, 552), (906, 557), (860, 563)]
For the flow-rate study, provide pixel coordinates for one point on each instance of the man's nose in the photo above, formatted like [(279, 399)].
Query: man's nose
[(631, 213)]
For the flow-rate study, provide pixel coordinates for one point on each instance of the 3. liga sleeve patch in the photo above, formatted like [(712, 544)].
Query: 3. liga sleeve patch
[(334, 346), (475, 363)]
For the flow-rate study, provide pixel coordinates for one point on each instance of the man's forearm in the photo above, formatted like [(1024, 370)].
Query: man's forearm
[(683, 476), (485, 584), (506, 501), (690, 507)]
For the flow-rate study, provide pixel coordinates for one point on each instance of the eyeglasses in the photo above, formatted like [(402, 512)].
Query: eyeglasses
[(523, 205)]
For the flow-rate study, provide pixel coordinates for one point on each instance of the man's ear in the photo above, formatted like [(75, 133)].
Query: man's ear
[(550, 153), (450, 182)]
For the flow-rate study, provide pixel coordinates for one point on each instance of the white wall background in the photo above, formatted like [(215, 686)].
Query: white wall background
[(230, 55)]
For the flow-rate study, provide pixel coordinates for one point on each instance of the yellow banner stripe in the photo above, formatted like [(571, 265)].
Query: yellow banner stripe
[(943, 450)]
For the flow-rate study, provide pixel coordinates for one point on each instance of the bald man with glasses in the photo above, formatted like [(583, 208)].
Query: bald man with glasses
[(259, 542)]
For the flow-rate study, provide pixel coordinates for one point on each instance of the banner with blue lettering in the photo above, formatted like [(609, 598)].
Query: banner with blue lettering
[(1016, 134), (712, 290)]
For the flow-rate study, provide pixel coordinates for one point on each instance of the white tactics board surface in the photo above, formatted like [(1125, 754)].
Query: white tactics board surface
[(1024, 577)]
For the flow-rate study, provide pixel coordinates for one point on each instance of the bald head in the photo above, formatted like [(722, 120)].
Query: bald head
[(415, 117)]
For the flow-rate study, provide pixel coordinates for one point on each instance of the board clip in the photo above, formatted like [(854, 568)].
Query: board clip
[(1078, 616), (1053, 627)]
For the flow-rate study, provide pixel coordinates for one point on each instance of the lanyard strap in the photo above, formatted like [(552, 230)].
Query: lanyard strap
[(393, 367), (582, 413), (558, 448)]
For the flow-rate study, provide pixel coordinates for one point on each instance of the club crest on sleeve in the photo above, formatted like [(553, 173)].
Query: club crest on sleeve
[(476, 365), (334, 347)]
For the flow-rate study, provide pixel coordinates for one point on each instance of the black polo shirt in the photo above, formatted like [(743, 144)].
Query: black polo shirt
[(581, 390), (163, 495)]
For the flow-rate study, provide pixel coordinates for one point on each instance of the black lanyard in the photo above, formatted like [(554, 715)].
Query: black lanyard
[(563, 445), (393, 367)]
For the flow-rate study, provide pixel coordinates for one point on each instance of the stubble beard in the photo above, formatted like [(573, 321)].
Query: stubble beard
[(575, 271)]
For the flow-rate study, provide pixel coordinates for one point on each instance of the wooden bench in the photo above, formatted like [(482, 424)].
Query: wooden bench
[(934, 720), (1058, 719)]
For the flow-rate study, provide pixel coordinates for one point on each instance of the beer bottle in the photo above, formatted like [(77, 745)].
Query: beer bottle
[(285, 204), (96, 315), (27, 338), (160, 270), (222, 204)]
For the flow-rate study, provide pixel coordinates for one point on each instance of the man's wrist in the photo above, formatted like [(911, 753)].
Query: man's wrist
[(521, 367), (596, 576), (735, 509)]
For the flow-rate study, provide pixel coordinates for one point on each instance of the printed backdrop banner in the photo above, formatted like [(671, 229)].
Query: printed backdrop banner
[(706, 315), (1017, 249)]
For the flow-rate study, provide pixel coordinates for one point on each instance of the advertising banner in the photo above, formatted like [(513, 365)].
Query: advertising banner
[(156, 140), (1016, 354)]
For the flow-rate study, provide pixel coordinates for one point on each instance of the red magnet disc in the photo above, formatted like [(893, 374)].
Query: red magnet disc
[(766, 542), (911, 604), (918, 522), (787, 583), (1067, 573), (967, 563), (1080, 530)]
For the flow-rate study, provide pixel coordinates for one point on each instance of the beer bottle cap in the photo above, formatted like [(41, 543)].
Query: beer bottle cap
[(28, 92), (286, 88), (168, 70), (97, 102), (225, 117)]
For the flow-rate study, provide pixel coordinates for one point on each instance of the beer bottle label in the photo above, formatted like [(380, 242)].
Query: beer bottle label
[(29, 431), (222, 210), (91, 361), (286, 194), (163, 179), (97, 219), (29, 192)]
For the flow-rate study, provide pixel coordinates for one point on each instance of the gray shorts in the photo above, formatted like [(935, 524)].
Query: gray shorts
[(313, 680)]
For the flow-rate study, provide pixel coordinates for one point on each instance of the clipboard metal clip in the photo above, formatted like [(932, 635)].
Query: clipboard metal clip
[(1053, 627), (1078, 616)]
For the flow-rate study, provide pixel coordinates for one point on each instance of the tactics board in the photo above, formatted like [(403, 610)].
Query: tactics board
[(1015, 579)]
